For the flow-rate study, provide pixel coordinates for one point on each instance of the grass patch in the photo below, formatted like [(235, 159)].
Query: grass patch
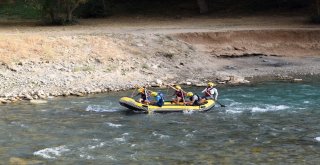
[(315, 19), (165, 54), (20, 9), (83, 69), (145, 66)]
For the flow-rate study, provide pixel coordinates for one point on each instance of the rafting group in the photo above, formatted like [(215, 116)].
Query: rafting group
[(210, 92)]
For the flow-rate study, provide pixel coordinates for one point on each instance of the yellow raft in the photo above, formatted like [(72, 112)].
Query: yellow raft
[(131, 104)]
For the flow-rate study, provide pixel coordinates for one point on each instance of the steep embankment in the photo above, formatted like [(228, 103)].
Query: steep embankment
[(42, 65), (254, 42)]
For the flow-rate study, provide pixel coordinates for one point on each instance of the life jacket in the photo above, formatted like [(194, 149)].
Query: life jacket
[(161, 101), (179, 93), (161, 94), (143, 96), (196, 102), (208, 91)]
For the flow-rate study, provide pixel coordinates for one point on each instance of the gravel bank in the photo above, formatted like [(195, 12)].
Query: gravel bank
[(44, 65)]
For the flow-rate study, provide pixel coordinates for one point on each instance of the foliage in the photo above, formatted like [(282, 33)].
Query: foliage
[(59, 11), (315, 19), (20, 9), (95, 9)]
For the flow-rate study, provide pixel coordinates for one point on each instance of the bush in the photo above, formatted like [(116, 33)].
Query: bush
[(315, 19)]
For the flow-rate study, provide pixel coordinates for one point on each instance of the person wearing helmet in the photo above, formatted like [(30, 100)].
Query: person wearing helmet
[(194, 99), (179, 93), (144, 95), (159, 101), (210, 92)]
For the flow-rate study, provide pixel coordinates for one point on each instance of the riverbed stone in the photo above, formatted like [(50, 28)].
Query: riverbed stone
[(38, 101), (297, 80), (238, 80), (159, 82), (28, 97), (4, 101), (22, 161)]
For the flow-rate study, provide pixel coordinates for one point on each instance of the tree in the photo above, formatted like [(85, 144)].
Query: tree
[(318, 7), (60, 11), (70, 6), (203, 6)]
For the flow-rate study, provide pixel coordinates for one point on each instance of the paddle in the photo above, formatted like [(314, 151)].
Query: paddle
[(135, 88), (222, 105)]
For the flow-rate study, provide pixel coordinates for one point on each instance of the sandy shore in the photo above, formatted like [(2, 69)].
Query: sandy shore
[(99, 56)]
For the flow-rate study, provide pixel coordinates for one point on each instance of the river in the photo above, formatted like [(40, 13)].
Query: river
[(270, 123)]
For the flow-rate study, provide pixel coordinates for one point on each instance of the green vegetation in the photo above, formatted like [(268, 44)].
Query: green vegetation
[(83, 68), (20, 9), (65, 11)]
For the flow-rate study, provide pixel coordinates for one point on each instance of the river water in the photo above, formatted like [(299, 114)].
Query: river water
[(271, 123)]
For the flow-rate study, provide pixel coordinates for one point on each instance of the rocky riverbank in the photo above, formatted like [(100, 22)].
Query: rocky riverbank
[(43, 64)]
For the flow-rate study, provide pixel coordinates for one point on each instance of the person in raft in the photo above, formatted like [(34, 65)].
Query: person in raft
[(194, 99), (159, 101), (210, 92), (179, 93), (144, 95)]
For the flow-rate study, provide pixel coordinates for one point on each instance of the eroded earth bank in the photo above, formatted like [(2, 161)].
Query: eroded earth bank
[(41, 62)]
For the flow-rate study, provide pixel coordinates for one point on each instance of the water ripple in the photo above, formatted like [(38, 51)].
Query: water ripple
[(99, 108), (114, 125), (51, 153)]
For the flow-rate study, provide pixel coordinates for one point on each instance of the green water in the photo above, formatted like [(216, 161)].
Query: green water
[(271, 123)]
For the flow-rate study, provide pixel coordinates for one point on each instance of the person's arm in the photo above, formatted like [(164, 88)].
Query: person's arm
[(215, 93), (193, 100), (204, 90)]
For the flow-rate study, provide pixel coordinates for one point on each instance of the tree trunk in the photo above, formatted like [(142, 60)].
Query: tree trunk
[(70, 8), (68, 12), (52, 15), (203, 6), (104, 6), (69, 16), (318, 6)]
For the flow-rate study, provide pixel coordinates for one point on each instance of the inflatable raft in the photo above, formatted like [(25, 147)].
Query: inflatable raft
[(167, 107)]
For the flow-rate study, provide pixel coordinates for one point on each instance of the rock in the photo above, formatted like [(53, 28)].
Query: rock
[(66, 93), (78, 94), (35, 97), (297, 80), (155, 66), (17, 161), (224, 78), (97, 90), (153, 84), (140, 45), (231, 67), (13, 100), (38, 101), (238, 80), (4, 101), (28, 97), (42, 96), (201, 84), (188, 83), (159, 82), (21, 161)]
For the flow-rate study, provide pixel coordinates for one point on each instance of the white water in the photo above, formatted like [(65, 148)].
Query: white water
[(52, 153)]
